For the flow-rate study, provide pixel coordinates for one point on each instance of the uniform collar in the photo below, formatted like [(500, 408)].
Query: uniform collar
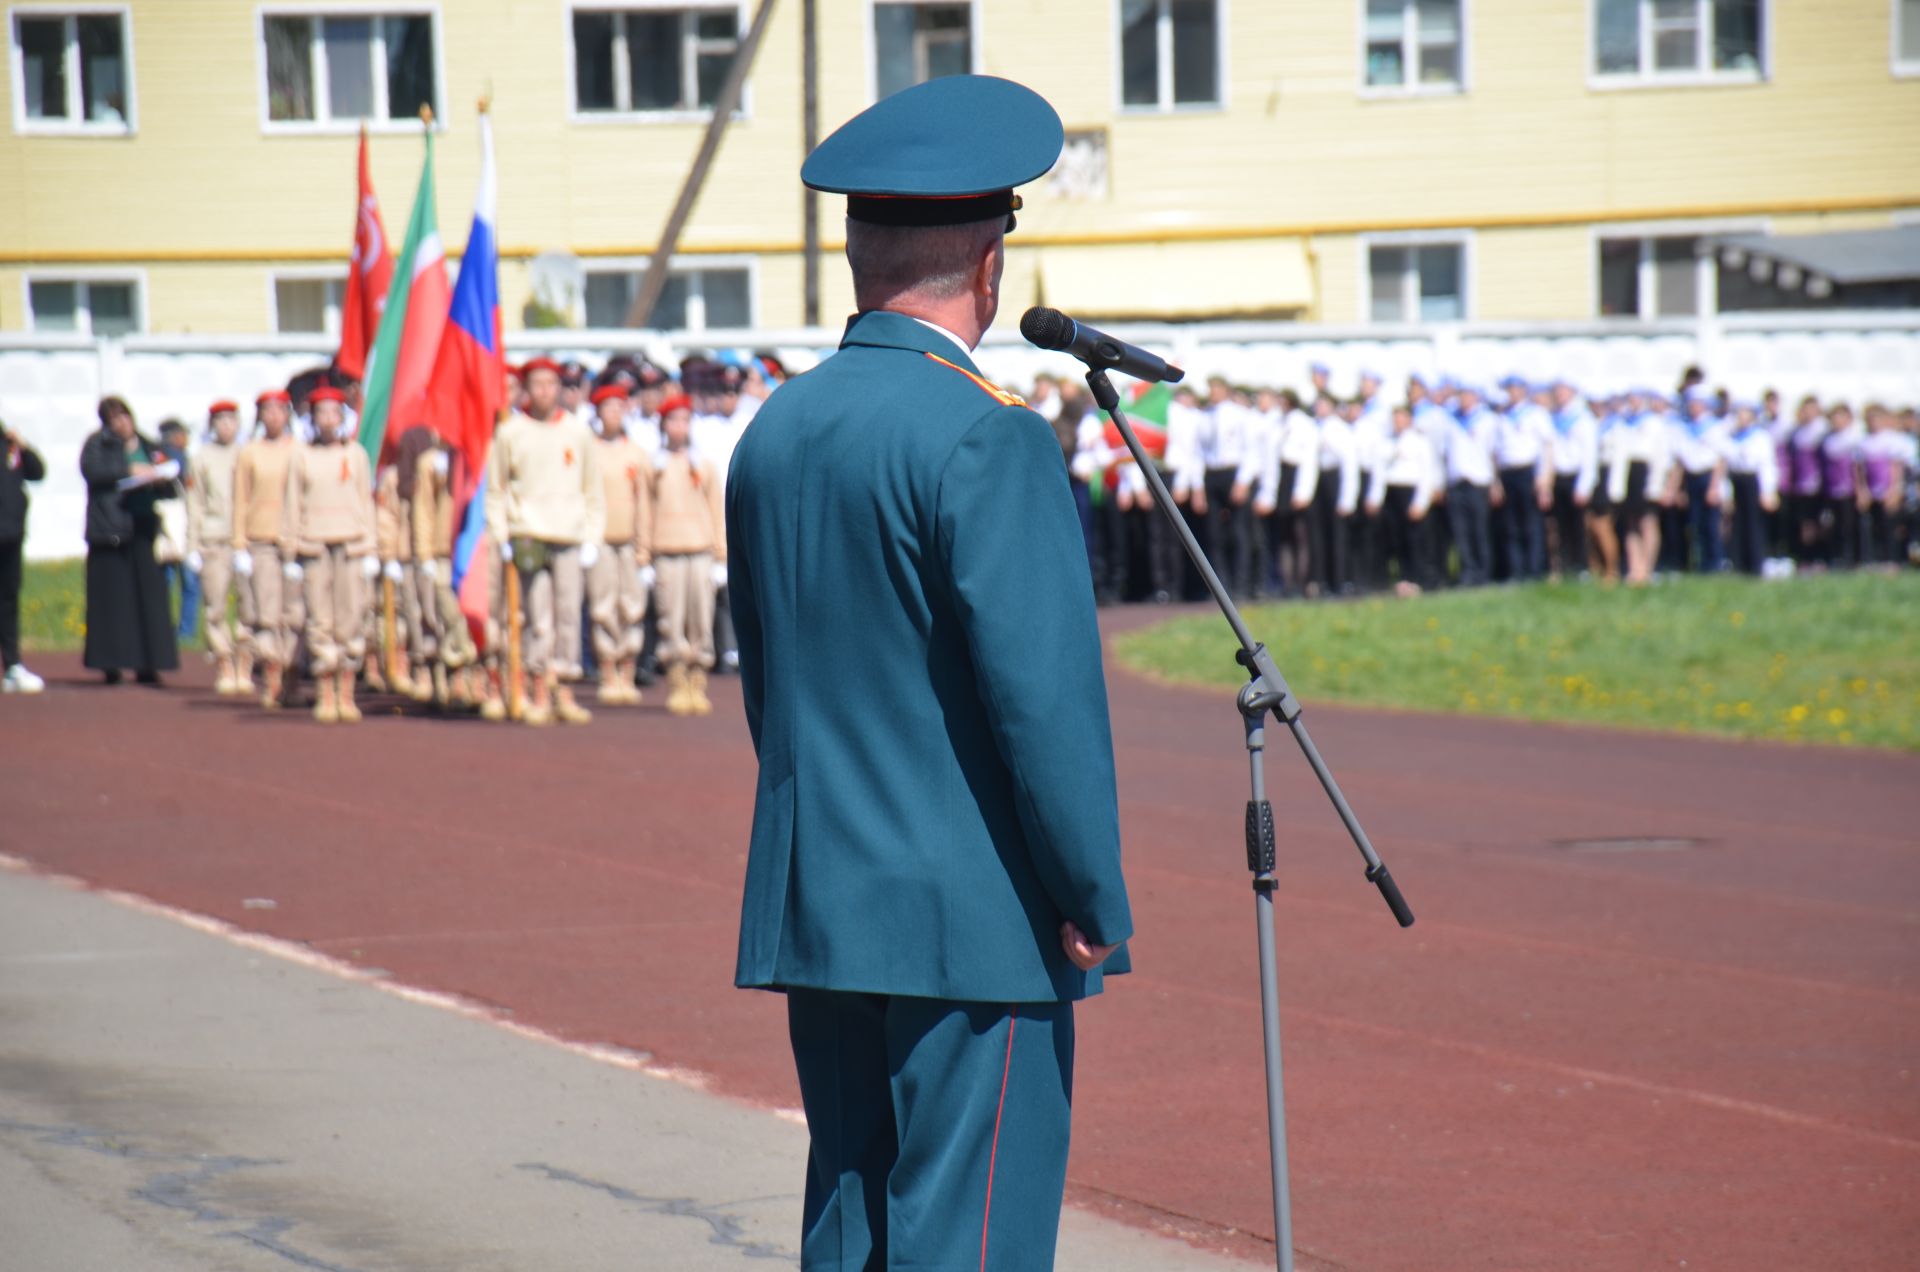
[(884, 329)]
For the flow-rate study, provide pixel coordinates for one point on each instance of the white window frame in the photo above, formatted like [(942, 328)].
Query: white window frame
[(1706, 279), (1164, 63), (689, 264), (623, 87), (1702, 76), (333, 318), (1461, 238), (379, 122), (77, 125), (137, 278), (1902, 69), (1410, 57), (974, 44)]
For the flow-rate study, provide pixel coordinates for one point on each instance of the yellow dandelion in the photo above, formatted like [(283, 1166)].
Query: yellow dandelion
[(1837, 717), (1442, 644), (1858, 684), (1736, 618), (1433, 624), (1744, 710), (1799, 712)]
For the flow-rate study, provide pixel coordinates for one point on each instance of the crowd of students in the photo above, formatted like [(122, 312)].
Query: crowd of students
[(1452, 483)]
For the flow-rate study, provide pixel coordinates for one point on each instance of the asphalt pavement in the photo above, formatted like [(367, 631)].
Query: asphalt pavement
[(179, 1097)]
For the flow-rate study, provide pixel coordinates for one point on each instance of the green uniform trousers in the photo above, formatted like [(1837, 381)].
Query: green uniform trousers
[(939, 1131)]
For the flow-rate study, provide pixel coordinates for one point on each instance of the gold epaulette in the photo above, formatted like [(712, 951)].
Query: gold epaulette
[(999, 394)]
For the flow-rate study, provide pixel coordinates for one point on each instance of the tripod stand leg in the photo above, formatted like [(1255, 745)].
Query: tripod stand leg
[(1276, 1090)]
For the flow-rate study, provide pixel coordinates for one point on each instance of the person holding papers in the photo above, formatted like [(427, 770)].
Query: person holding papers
[(129, 620)]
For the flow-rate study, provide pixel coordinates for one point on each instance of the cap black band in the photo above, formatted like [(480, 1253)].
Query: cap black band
[(908, 210)]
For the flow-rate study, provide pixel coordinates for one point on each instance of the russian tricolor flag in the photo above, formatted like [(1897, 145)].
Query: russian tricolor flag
[(467, 388)]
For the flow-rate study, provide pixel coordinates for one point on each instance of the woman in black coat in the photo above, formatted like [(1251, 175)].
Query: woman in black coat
[(129, 614)]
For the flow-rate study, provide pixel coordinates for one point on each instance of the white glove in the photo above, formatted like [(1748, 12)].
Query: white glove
[(429, 570), (648, 576), (294, 571), (589, 553), (439, 462), (395, 571), (370, 566), (506, 552), (719, 576), (243, 563), (195, 562)]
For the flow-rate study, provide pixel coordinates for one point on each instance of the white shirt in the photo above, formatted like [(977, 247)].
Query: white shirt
[(1697, 443), (1183, 458), (960, 344), (1224, 435), (1408, 461), (1522, 436), (1573, 440), (1470, 445), (1340, 454), (1751, 450)]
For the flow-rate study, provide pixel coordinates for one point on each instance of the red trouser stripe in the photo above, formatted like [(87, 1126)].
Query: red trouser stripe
[(994, 1153)]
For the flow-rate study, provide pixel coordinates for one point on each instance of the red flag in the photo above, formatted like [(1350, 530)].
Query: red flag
[(369, 273)]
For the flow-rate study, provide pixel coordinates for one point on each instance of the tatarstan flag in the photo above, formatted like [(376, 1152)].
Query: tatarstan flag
[(369, 276), (1148, 415), (409, 340)]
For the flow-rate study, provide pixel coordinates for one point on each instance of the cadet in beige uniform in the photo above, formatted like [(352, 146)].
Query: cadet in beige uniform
[(393, 543), (688, 544), (426, 492), (330, 531), (616, 596), (259, 527), (210, 552), (546, 507)]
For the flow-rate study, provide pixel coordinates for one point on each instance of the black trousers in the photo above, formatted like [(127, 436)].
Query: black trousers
[(11, 575), (1468, 510), (1844, 546), (1749, 524), (1230, 533), (1569, 525), (1330, 556), (1367, 548), (1526, 535), (1406, 538)]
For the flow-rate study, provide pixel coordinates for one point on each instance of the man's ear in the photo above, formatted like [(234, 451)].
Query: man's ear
[(986, 270)]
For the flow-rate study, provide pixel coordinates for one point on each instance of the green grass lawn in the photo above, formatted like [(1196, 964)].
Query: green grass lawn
[(1832, 659), (53, 607)]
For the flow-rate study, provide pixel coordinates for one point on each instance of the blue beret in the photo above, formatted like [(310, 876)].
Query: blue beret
[(1318, 368), (940, 153)]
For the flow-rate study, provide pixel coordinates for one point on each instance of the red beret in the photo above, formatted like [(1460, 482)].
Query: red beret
[(326, 393), (539, 364), (225, 406), (607, 392), (273, 395), (675, 402)]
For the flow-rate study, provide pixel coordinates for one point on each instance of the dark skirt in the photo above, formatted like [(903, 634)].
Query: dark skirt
[(1637, 504), (129, 614)]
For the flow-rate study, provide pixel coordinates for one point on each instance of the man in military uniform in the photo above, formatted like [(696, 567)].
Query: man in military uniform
[(547, 510), (934, 875)]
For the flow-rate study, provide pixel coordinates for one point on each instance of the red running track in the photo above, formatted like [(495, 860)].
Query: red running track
[(1580, 1058)]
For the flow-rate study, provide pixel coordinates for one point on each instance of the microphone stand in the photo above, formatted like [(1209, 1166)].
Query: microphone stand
[(1265, 691)]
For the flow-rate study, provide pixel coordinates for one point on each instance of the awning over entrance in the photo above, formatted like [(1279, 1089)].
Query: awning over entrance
[(1821, 262), (1224, 279)]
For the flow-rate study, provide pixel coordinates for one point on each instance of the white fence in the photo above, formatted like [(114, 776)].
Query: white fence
[(49, 386)]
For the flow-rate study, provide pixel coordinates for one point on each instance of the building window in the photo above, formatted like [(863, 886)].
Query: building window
[(1169, 53), (652, 60), (695, 298), (918, 40), (1415, 45), (72, 72), (1663, 276), (84, 306), (1906, 37), (1417, 282), (308, 305), (343, 68), (1656, 40)]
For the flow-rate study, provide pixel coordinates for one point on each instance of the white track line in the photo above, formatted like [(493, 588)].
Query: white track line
[(305, 956)]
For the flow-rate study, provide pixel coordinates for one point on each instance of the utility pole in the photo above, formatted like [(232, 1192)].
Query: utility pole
[(655, 280), (809, 138)]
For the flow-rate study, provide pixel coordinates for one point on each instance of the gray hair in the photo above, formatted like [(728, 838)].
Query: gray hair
[(931, 261)]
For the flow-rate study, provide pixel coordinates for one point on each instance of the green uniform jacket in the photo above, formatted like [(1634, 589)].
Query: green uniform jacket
[(922, 675)]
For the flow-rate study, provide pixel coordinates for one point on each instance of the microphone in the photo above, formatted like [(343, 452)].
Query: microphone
[(1051, 329)]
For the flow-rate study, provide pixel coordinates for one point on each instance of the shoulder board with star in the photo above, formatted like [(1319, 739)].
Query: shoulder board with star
[(993, 390)]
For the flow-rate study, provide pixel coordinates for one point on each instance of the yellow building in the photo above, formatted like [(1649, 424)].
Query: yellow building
[(188, 165)]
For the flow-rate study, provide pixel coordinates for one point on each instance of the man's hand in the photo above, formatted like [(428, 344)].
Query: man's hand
[(1083, 953)]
